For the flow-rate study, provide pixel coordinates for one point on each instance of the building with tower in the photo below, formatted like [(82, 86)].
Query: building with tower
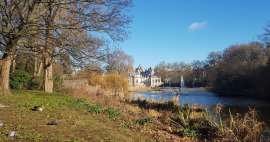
[(144, 78)]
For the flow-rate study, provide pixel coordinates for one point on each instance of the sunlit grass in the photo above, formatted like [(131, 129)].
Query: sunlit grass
[(78, 120)]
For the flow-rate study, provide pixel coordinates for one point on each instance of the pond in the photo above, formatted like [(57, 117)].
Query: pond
[(209, 100)]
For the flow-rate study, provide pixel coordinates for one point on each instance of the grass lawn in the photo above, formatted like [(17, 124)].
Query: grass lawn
[(77, 120)]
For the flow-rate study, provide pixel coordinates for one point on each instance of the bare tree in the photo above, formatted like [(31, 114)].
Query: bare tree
[(16, 18), (266, 36), (64, 21), (119, 61), (50, 28)]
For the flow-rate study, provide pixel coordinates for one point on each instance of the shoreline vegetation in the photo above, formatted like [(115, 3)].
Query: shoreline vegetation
[(164, 89), (86, 116)]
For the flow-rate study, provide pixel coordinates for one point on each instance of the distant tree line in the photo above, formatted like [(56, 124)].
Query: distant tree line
[(194, 74), (241, 69)]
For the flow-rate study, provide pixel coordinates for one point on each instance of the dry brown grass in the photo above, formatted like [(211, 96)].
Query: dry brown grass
[(237, 128), (93, 94), (153, 113), (245, 127), (113, 83), (130, 113)]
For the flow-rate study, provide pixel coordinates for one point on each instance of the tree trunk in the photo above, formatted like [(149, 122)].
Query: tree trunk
[(48, 76), (35, 66), (4, 76), (13, 65), (48, 51), (40, 69), (38, 65)]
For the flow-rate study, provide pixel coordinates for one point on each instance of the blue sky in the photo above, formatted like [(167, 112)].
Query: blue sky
[(187, 30)]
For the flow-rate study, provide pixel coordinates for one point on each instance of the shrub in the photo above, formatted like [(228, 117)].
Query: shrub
[(189, 132), (19, 79), (96, 79), (81, 103), (35, 83), (112, 113), (243, 128), (144, 121), (57, 82), (236, 128), (95, 109), (187, 122), (156, 105), (115, 82)]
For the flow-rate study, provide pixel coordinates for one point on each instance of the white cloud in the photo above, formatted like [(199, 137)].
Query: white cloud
[(197, 26)]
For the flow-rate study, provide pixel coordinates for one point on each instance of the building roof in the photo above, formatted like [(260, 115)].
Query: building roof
[(139, 71)]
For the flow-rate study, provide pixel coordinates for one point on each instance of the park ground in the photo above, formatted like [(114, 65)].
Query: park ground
[(74, 122), (34, 116), (75, 119)]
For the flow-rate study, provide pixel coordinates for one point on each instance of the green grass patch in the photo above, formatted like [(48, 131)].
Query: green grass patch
[(112, 113), (144, 121), (78, 120), (96, 108)]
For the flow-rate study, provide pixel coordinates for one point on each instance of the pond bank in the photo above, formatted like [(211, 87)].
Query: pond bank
[(202, 97)]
